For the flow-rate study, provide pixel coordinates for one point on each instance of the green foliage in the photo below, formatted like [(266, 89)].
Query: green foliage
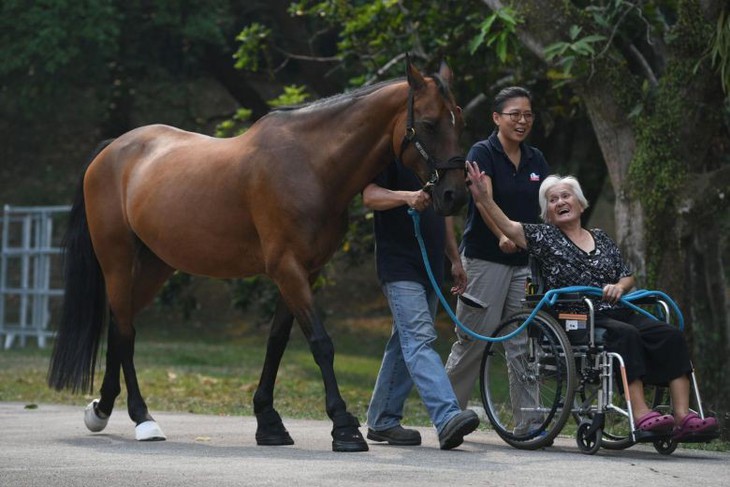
[(498, 30), (720, 49), (566, 53), (49, 47), (177, 293), (235, 125), (253, 39), (372, 36), (292, 95), (359, 241), (257, 291), (47, 42)]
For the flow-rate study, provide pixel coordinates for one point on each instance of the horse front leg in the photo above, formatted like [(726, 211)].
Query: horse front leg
[(346, 436), (270, 430), (294, 285)]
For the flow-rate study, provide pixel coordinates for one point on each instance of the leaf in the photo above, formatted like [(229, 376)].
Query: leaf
[(554, 74), (556, 49), (574, 31), (594, 38), (502, 48), (582, 48), (484, 29), (476, 42), (636, 111)]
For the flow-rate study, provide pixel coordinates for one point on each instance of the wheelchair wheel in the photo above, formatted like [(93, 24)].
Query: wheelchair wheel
[(616, 433), (588, 443), (537, 368), (665, 446)]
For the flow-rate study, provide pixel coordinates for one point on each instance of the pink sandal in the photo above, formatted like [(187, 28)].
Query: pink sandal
[(692, 425), (655, 422)]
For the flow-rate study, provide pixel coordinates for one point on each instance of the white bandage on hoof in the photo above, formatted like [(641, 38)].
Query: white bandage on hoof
[(149, 431), (92, 420)]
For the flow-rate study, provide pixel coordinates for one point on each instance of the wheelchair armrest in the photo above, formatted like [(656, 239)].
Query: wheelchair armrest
[(648, 300), (531, 300)]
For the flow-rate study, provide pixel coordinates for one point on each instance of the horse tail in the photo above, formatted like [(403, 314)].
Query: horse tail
[(85, 309)]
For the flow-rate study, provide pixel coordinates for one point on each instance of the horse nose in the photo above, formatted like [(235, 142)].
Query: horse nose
[(449, 196), (455, 198), (451, 201)]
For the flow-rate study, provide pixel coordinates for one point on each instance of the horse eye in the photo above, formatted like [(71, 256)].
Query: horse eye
[(429, 125)]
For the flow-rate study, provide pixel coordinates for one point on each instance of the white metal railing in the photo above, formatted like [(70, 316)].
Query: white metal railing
[(29, 259)]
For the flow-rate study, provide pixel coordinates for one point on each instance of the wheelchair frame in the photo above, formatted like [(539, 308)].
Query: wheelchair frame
[(558, 376)]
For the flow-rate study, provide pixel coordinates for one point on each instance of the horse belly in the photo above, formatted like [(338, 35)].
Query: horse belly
[(199, 241)]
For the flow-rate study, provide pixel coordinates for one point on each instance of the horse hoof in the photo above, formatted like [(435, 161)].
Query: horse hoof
[(281, 439), (92, 420), (346, 436), (356, 444), (271, 430), (149, 431)]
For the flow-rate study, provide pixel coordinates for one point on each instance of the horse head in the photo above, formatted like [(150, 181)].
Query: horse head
[(430, 146)]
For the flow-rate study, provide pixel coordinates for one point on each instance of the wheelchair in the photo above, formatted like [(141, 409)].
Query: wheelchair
[(559, 370)]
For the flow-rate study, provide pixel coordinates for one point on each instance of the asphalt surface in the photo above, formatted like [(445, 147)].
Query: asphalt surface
[(50, 446)]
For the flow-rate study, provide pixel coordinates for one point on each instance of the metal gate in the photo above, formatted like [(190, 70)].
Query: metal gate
[(30, 272)]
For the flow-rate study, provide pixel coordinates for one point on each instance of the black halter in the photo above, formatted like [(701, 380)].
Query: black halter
[(456, 162)]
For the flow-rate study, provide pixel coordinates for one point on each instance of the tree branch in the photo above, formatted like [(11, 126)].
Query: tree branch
[(302, 57), (645, 65), (380, 72)]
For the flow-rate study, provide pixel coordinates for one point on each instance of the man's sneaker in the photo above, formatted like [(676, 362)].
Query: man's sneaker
[(455, 430), (397, 435)]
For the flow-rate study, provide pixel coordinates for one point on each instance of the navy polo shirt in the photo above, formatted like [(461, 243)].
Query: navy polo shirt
[(515, 192), (397, 253)]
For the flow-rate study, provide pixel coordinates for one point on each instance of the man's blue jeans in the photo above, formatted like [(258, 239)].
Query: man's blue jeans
[(410, 359)]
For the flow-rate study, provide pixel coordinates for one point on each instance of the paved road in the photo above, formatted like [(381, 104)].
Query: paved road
[(50, 446)]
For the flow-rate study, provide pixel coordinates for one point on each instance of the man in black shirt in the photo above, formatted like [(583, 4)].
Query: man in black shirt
[(409, 356)]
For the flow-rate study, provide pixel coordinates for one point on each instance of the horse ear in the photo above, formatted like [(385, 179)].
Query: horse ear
[(415, 78), (445, 73)]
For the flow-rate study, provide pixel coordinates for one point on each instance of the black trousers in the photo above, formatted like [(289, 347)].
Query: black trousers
[(653, 350)]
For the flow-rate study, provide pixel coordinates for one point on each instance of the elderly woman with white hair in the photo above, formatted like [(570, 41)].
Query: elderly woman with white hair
[(570, 255)]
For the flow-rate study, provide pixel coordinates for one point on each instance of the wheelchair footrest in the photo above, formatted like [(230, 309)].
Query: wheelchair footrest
[(650, 436)]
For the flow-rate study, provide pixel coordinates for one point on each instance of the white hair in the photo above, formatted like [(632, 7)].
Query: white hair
[(553, 180)]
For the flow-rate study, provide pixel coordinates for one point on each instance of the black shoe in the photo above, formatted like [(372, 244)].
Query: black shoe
[(397, 435), (460, 425)]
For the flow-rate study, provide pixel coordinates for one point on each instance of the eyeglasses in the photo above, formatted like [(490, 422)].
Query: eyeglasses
[(517, 116)]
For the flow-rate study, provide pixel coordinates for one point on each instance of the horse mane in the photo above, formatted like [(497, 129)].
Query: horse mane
[(349, 97), (338, 99)]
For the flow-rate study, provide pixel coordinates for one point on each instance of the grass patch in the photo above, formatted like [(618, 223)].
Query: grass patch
[(215, 370)]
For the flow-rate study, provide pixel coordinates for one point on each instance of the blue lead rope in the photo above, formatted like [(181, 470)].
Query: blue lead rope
[(549, 297)]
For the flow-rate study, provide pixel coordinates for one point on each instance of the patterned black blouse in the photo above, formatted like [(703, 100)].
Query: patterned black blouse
[(563, 263)]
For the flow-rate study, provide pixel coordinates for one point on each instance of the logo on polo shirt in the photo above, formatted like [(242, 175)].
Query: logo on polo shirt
[(534, 177)]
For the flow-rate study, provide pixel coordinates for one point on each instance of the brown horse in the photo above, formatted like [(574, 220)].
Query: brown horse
[(272, 201)]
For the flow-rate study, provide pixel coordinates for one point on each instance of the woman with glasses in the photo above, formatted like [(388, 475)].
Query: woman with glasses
[(495, 268)]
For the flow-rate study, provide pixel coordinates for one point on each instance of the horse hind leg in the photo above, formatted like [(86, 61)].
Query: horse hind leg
[(270, 429), (98, 411), (130, 288)]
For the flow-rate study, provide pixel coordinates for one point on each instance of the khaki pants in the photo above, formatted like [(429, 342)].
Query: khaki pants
[(501, 287)]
